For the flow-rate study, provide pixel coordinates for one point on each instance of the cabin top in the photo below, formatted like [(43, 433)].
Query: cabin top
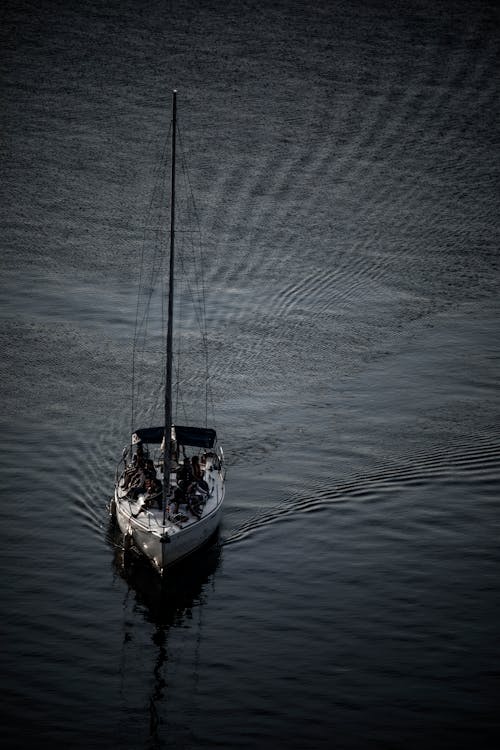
[(199, 437)]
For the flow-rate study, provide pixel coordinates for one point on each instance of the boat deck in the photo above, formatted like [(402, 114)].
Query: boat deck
[(151, 519)]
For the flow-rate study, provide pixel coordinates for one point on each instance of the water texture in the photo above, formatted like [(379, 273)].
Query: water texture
[(344, 161)]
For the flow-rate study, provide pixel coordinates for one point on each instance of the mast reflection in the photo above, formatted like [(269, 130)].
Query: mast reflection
[(167, 600), (166, 603)]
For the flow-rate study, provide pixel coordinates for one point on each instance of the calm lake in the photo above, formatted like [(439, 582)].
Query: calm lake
[(345, 163)]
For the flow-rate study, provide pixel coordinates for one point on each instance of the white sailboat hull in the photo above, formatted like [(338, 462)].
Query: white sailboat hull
[(165, 545)]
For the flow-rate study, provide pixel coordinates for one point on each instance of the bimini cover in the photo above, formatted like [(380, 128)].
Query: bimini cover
[(199, 437)]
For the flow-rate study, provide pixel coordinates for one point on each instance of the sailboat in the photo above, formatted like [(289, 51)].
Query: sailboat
[(169, 485)]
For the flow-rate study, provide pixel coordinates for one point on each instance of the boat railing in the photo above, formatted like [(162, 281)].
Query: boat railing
[(118, 472), (151, 517), (145, 516), (123, 460)]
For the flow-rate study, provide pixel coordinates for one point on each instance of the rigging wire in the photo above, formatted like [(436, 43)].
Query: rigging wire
[(191, 279), (141, 326), (200, 279)]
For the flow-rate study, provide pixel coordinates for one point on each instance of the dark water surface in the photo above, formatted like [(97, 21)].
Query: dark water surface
[(344, 157)]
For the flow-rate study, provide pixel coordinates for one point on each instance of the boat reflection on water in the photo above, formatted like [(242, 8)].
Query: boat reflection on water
[(166, 599), (168, 603)]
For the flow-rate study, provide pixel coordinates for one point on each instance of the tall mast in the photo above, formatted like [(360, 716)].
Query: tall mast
[(168, 378)]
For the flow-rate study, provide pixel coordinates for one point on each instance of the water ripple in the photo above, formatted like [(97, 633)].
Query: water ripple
[(456, 464)]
